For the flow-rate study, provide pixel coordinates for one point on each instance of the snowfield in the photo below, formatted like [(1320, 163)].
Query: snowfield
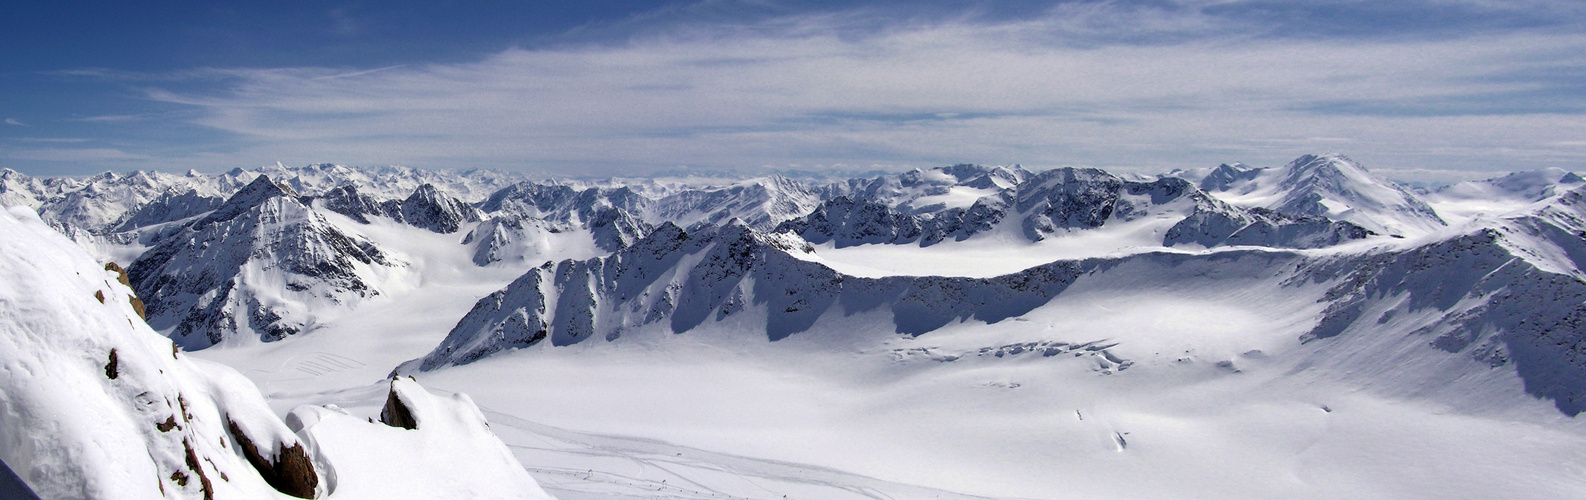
[(1303, 331)]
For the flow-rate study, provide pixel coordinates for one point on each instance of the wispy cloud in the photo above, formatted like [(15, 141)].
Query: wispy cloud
[(108, 118), (1110, 84), (47, 139), (16, 122), (84, 155)]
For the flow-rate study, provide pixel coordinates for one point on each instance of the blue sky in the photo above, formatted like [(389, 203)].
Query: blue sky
[(1429, 90)]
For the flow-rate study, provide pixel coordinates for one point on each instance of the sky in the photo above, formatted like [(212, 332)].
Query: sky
[(1422, 91)]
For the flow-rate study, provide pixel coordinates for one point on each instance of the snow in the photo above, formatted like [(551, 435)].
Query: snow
[(1219, 397), (95, 404), (1332, 186), (1431, 366), (377, 461), (1499, 196), (994, 254)]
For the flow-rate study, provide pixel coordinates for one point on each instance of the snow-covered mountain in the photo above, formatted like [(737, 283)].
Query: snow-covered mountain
[(262, 265), (1503, 195), (1502, 295), (94, 404), (1139, 335), (1331, 186), (1053, 204)]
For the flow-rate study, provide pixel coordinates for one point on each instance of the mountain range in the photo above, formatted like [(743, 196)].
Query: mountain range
[(1470, 296)]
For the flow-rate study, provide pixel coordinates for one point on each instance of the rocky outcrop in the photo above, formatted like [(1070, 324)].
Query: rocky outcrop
[(428, 208), (287, 469), (1224, 226), (396, 413)]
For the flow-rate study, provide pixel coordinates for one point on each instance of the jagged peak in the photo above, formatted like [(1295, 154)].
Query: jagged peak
[(262, 189), (426, 192)]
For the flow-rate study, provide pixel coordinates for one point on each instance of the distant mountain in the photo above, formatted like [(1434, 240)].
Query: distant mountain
[(1053, 203), (1502, 195), (1330, 186), (1506, 296), (682, 279), (261, 265)]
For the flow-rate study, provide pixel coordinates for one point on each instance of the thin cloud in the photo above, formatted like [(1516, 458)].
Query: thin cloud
[(16, 122), (1120, 87), (108, 118), (47, 139), (71, 155)]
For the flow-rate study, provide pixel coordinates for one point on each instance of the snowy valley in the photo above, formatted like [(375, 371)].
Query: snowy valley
[(1310, 330)]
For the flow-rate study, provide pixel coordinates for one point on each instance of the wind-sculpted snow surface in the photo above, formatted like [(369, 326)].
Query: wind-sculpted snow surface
[(686, 279), (263, 264)]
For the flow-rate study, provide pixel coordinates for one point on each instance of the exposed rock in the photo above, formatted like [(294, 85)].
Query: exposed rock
[(428, 208), (291, 472), (396, 413), (113, 368), (203, 479)]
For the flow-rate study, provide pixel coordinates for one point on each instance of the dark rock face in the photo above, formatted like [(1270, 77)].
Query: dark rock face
[(191, 459), (428, 208), (1221, 225), (850, 222), (1067, 198), (615, 229), (396, 413), (169, 207), (112, 368), (193, 281), (291, 472), (346, 200)]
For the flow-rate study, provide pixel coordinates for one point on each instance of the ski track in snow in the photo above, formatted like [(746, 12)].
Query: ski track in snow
[(631, 467)]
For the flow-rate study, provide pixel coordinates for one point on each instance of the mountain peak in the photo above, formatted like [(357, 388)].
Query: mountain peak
[(262, 189)]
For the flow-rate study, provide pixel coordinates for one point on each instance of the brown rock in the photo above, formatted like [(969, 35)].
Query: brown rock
[(121, 274), (203, 479), (113, 369), (292, 472), (100, 294), (395, 413)]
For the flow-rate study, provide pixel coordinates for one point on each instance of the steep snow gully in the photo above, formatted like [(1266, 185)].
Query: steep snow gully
[(1305, 331)]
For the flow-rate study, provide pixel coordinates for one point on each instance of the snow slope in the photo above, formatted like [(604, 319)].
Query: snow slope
[(95, 404)]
